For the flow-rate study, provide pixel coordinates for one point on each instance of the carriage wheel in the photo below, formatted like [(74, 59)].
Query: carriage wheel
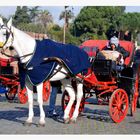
[(134, 98), (118, 105), (138, 100), (65, 101), (10, 95), (46, 90), (22, 96)]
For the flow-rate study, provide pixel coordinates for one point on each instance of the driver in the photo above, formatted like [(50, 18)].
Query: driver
[(115, 46)]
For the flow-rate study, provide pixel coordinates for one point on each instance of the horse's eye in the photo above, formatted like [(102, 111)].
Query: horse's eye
[(11, 48), (4, 34)]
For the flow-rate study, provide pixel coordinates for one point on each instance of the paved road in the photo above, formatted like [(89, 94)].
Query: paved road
[(94, 120)]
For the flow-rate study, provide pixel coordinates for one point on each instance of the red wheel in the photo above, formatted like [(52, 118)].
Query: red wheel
[(65, 101), (118, 105), (10, 95), (22, 96), (135, 95), (46, 90)]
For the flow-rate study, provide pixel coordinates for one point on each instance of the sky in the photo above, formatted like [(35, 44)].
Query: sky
[(56, 10)]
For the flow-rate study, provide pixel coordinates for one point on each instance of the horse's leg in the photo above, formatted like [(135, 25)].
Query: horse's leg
[(68, 87), (30, 102), (79, 97), (40, 102)]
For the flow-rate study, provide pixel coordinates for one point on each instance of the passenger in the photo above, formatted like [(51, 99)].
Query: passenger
[(115, 46)]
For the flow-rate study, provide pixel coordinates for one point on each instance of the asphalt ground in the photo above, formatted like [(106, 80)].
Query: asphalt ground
[(94, 120)]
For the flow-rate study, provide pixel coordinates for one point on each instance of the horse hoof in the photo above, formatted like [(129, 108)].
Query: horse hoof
[(27, 124), (66, 121), (40, 125), (73, 121)]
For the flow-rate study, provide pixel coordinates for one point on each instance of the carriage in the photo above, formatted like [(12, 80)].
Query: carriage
[(113, 88), (10, 84), (117, 88)]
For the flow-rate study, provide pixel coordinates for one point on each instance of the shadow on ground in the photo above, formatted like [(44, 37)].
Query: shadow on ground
[(18, 113)]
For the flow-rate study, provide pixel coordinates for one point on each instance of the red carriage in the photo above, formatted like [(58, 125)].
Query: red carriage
[(9, 81), (114, 89)]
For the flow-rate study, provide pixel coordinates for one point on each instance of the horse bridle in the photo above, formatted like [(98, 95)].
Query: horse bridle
[(10, 47), (7, 36)]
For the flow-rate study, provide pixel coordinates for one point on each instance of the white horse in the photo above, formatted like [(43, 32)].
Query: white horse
[(24, 45)]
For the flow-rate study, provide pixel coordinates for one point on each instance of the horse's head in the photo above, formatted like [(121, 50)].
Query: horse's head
[(6, 34)]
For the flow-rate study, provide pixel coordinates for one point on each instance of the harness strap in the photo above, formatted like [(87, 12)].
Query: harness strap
[(15, 57), (7, 38), (60, 61), (57, 70)]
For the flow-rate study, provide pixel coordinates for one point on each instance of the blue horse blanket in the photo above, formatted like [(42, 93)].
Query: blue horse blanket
[(75, 59)]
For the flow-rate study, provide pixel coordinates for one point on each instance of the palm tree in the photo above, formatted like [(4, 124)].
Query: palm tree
[(66, 15), (45, 18), (34, 11)]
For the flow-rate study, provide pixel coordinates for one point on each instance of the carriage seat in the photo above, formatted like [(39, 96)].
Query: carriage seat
[(107, 64), (128, 46), (102, 69)]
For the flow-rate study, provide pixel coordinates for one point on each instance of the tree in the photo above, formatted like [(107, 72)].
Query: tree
[(97, 19), (130, 22), (4, 19), (34, 11), (66, 15), (45, 18), (21, 15)]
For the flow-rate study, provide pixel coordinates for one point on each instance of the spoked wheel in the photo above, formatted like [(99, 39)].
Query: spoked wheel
[(138, 100), (10, 95), (22, 96), (118, 105), (65, 101), (46, 90), (135, 95)]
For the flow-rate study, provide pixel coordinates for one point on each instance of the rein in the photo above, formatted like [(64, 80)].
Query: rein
[(7, 38), (15, 57)]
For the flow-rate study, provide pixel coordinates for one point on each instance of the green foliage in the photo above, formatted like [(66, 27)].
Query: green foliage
[(32, 19), (56, 27), (67, 15), (4, 19), (33, 12), (56, 33), (130, 22), (72, 40), (44, 18), (93, 22), (97, 19), (21, 15), (30, 27)]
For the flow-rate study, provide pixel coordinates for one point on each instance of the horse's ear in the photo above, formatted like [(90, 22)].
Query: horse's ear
[(9, 23), (1, 21)]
